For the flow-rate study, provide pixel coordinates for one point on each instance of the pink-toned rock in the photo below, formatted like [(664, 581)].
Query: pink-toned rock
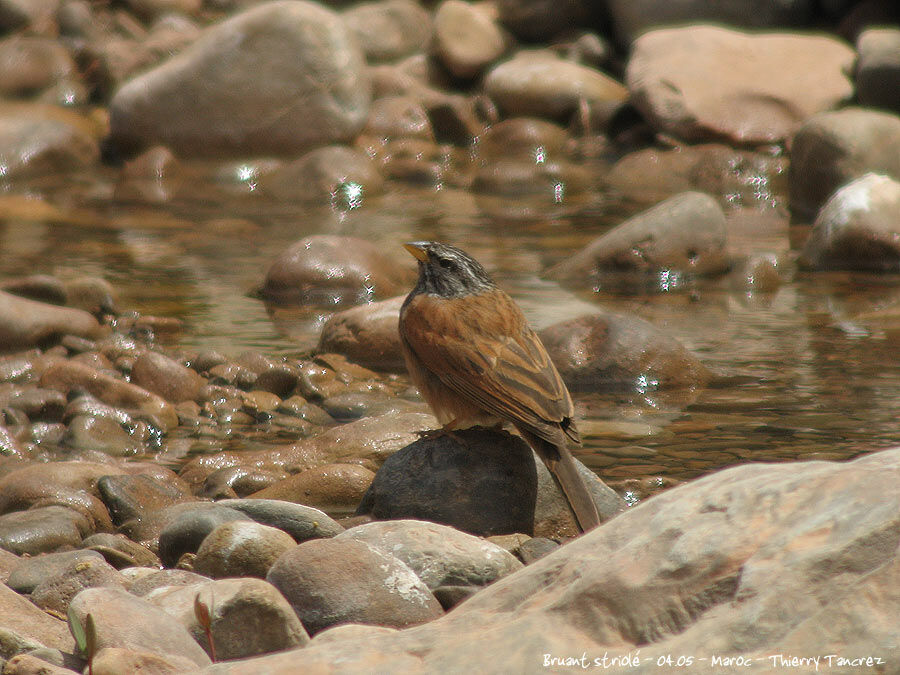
[(751, 561), (325, 269), (331, 487), (279, 78), (706, 82), (330, 581), (127, 621), (541, 84), (366, 335), (19, 615), (65, 375), (684, 234)]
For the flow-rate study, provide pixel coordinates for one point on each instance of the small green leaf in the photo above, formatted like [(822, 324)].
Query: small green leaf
[(90, 634), (77, 630)]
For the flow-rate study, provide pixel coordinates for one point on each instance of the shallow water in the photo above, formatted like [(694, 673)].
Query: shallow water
[(807, 372)]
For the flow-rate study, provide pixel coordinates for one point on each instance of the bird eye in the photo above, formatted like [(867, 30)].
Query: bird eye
[(445, 262)]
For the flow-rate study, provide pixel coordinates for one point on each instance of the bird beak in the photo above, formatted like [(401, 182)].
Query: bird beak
[(417, 249)]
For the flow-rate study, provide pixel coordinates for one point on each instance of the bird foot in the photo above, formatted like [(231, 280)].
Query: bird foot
[(434, 434)]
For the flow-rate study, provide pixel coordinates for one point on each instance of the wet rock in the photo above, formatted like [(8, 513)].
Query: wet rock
[(516, 178), (354, 405), (213, 97), (154, 176), (166, 377), (878, 68), (331, 487), (100, 434), (833, 148), (31, 64), (389, 30), (37, 139), (248, 616), (44, 484), (131, 496), (526, 138), (366, 335), (27, 323), (119, 551), (42, 530), (278, 380), (608, 351), (553, 516), (334, 174), (758, 274), (238, 481), (9, 445), (740, 177), (438, 554), (369, 441), (190, 527), (486, 488), (125, 620), (684, 234), (31, 571), (323, 268), (707, 82), (466, 38), (301, 522), (331, 581), (44, 405), (707, 566), (55, 592), (858, 228), (67, 375), (543, 85), (241, 549)]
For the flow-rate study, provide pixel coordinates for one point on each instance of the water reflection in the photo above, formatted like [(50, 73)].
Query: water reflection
[(808, 369)]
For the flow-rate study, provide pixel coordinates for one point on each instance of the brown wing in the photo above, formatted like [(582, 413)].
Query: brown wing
[(481, 347)]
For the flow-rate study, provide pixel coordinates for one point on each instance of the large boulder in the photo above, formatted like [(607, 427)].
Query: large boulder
[(683, 235), (742, 565), (280, 78), (708, 83)]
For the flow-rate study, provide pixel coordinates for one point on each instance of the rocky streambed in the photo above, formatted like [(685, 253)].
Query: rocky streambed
[(210, 457)]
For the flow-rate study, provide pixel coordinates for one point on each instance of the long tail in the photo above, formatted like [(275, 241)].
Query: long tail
[(562, 467)]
